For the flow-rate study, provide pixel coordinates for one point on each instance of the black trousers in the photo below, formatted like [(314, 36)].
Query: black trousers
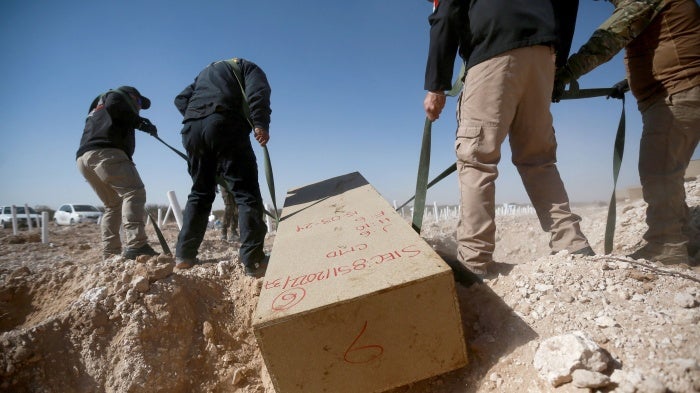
[(217, 145)]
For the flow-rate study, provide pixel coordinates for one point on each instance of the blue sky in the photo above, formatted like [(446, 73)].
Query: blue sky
[(347, 93)]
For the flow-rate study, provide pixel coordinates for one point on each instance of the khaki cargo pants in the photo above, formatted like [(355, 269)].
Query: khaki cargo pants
[(117, 183), (510, 95)]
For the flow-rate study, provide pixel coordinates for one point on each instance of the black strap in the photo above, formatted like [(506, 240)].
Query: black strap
[(179, 153), (161, 238)]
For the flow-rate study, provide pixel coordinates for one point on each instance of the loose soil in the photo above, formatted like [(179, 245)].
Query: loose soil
[(71, 322)]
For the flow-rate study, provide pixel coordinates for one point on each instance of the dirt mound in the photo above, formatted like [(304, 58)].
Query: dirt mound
[(71, 322)]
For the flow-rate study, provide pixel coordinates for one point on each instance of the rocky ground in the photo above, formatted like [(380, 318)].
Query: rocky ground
[(71, 322)]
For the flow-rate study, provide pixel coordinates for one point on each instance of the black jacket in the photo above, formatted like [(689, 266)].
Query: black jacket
[(216, 90), (482, 29), (110, 124)]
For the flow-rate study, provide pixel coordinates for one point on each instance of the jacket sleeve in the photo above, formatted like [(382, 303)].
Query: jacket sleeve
[(628, 20), (565, 12), (183, 99), (445, 24), (258, 90)]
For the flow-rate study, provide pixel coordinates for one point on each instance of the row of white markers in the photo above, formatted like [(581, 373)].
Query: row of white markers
[(436, 214), (443, 213)]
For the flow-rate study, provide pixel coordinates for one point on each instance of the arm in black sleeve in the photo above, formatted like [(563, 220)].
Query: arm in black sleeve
[(444, 42), (565, 12), (258, 90), (183, 99)]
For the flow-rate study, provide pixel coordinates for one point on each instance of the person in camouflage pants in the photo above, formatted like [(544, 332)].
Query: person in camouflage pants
[(662, 43), (230, 216)]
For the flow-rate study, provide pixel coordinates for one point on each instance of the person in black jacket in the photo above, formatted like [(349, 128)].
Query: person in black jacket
[(510, 49), (216, 136), (104, 158)]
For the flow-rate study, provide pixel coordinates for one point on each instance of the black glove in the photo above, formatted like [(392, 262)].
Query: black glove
[(145, 125), (558, 91), (561, 78), (618, 90)]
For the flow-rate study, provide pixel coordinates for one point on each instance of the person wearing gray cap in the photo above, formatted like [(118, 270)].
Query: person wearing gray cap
[(104, 158)]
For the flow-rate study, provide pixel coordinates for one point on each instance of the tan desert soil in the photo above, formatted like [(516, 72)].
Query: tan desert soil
[(71, 322)]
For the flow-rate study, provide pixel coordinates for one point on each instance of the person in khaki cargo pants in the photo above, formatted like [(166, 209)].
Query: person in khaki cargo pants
[(104, 158), (662, 41), (509, 49)]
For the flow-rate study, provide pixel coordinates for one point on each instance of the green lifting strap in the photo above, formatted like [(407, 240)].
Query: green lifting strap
[(235, 67), (424, 160), (618, 152)]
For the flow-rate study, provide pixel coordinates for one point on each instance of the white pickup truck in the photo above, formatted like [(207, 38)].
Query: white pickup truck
[(6, 216)]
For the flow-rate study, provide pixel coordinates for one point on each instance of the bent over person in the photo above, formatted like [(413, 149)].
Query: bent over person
[(509, 49), (104, 158), (216, 135), (662, 43)]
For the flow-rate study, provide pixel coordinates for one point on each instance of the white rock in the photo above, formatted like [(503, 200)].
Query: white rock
[(94, 295), (638, 298), (605, 321), (140, 284), (589, 379), (683, 365), (132, 296), (222, 268), (685, 300), (651, 385), (636, 382), (557, 357)]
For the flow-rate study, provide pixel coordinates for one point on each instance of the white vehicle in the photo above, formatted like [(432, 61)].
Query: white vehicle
[(6, 216), (70, 214)]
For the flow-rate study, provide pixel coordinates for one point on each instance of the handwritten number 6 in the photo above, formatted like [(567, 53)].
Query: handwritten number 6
[(364, 353)]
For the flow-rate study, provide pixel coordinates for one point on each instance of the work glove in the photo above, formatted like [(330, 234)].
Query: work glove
[(146, 126), (618, 90), (558, 91), (561, 78)]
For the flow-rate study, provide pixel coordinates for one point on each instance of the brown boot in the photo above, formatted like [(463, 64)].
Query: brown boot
[(185, 263), (668, 254)]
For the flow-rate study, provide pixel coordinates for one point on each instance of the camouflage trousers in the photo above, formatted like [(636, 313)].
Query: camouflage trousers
[(230, 213), (670, 134)]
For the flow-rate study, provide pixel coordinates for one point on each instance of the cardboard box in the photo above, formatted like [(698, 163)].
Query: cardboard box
[(353, 299)]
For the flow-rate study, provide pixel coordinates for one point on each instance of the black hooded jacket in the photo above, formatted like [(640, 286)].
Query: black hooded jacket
[(216, 89), (482, 29), (110, 123)]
